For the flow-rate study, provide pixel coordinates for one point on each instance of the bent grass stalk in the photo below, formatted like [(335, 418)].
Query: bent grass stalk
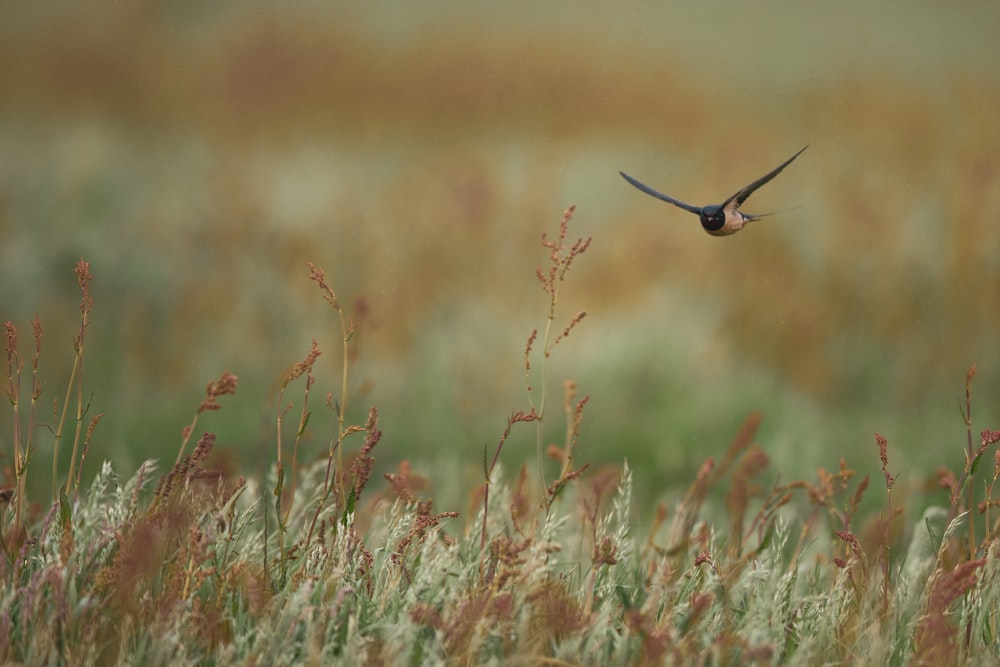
[(334, 477), (224, 386), (347, 330), (516, 417), (303, 367), (328, 479)]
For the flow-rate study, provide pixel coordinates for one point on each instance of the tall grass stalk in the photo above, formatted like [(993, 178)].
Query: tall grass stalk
[(304, 367), (22, 439), (83, 278), (561, 257), (969, 456), (347, 330)]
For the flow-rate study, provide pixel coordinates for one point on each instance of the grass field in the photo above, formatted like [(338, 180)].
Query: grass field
[(199, 157), (318, 563)]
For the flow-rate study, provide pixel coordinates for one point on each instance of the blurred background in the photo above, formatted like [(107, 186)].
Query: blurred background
[(200, 154)]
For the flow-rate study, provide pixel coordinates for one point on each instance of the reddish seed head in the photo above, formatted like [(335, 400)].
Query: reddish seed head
[(567, 214), (93, 424), (883, 445), (36, 333), (318, 275), (572, 323), (226, 384), (951, 586), (83, 278), (10, 336), (851, 540), (527, 349), (605, 553), (304, 366), (361, 468)]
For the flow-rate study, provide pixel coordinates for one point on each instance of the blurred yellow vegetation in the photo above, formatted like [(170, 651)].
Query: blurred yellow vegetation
[(422, 165)]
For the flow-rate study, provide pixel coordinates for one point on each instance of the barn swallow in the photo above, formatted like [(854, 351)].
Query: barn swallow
[(725, 218)]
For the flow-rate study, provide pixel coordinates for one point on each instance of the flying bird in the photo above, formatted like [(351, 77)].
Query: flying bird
[(725, 218)]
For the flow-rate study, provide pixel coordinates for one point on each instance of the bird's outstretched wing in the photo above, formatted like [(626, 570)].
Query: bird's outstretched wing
[(737, 199), (659, 195)]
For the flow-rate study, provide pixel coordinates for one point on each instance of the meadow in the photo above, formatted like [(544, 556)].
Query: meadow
[(685, 477), (316, 563)]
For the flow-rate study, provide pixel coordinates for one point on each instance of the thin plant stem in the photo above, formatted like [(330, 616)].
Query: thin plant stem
[(23, 442), (59, 429), (304, 367), (561, 258), (347, 330), (84, 277), (969, 457)]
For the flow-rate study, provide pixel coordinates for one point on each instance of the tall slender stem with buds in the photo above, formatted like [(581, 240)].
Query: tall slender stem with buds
[(561, 257)]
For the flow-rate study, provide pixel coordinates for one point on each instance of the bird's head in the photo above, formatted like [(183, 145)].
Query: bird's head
[(713, 218)]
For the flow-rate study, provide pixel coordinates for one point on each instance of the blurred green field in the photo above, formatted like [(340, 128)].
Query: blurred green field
[(199, 156)]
